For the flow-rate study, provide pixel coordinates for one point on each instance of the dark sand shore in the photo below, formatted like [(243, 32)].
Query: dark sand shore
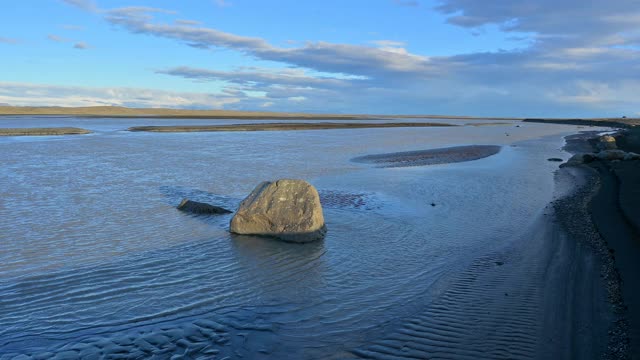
[(558, 293), (42, 131), (431, 156), (278, 127), (606, 217), (615, 212), (540, 298), (610, 122)]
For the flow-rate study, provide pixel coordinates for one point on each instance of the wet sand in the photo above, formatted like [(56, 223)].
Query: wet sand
[(557, 293), (42, 131), (279, 127), (541, 298), (545, 296), (430, 157)]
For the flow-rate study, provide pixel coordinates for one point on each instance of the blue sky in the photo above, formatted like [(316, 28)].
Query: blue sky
[(488, 58)]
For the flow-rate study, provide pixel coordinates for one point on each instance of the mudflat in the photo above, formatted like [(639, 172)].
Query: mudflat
[(43, 131), (430, 157), (279, 127)]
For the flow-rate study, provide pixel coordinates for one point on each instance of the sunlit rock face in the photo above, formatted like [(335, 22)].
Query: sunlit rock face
[(286, 209)]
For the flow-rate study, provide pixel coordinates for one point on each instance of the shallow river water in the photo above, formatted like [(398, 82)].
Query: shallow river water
[(95, 260)]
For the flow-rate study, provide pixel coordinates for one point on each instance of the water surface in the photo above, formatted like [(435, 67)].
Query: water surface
[(93, 251)]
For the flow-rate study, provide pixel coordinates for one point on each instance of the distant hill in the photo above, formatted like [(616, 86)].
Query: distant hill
[(118, 111)]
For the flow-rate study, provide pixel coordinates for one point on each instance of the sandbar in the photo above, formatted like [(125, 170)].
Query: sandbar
[(42, 131), (430, 157), (279, 127)]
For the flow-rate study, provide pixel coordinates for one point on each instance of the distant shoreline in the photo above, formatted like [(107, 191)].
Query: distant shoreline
[(118, 112), (123, 112)]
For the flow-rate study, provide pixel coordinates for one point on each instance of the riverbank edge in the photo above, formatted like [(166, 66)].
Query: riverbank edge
[(591, 215)]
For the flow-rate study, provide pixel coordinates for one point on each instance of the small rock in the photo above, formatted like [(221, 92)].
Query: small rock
[(201, 208), (555, 159)]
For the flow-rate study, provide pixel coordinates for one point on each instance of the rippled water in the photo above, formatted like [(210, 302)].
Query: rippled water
[(95, 259)]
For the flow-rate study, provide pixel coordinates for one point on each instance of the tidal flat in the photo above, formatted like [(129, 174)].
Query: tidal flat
[(284, 126), (451, 259), (42, 131)]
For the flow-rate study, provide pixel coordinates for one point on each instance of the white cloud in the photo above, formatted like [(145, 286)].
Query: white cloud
[(57, 38), (87, 5), (25, 94), (222, 3), (187, 22), (6, 40), (252, 76), (577, 60), (81, 45), (321, 56), (389, 43)]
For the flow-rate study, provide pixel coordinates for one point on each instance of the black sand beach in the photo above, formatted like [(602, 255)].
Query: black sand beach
[(606, 217), (616, 214)]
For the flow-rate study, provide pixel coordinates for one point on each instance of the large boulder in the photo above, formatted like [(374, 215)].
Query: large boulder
[(609, 155), (286, 209), (579, 159), (201, 208), (607, 142), (631, 156)]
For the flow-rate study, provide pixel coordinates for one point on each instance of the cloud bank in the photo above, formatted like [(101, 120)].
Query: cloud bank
[(581, 60)]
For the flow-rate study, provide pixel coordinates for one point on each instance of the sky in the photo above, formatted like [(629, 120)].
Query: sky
[(523, 58)]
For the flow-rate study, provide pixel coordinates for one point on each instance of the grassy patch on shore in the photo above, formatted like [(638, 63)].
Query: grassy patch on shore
[(43, 131)]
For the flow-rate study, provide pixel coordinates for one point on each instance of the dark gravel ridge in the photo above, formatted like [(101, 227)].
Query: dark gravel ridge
[(574, 215)]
